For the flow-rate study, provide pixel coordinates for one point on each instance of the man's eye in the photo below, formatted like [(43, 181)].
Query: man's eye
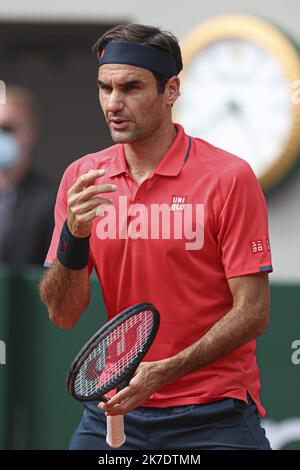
[(130, 87), (105, 88)]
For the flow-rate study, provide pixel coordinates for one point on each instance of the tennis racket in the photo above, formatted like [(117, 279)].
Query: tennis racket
[(110, 358)]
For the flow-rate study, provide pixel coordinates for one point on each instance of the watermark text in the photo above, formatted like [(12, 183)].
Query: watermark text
[(2, 92), (296, 354), (176, 221), (2, 353)]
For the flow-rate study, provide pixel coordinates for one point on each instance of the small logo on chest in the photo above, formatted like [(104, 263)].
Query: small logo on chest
[(178, 202)]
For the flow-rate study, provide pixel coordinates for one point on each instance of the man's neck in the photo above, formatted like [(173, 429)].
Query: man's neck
[(142, 157)]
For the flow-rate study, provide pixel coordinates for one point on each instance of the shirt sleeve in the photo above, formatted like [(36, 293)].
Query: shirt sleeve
[(60, 215), (243, 236)]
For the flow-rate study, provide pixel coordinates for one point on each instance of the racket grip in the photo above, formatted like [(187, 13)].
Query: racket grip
[(115, 436)]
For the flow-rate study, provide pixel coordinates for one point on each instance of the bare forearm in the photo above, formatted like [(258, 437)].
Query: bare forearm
[(66, 293), (233, 331), (247, 319)]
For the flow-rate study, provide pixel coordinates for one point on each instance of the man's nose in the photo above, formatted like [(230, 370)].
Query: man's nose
[(115, 102)]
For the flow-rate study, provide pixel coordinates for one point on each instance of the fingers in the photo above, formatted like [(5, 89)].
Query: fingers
[(90, 204), (75, 197), (124, 393), (87, 217), (86, 180), (121, 403), (92, 191), (84, 205), (122, 408), (85, 184)]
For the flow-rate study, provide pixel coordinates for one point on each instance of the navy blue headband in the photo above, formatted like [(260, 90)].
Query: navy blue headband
[(140, 55)]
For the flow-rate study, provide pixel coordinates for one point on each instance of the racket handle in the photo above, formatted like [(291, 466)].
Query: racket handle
[(115, 436)]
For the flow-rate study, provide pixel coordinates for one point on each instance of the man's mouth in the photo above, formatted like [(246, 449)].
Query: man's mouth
[(118, 123)]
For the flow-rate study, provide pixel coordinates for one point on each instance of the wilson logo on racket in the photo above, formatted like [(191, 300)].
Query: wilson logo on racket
[(91, 372), (122, 351), (110, 358)]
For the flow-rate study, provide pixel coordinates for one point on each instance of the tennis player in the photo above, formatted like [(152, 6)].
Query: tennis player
[(169, 219)]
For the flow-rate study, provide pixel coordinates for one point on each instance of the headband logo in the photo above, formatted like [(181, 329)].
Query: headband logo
[(102, 54)]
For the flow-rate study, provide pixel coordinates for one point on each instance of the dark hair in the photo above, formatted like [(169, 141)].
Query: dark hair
[(148, 35)]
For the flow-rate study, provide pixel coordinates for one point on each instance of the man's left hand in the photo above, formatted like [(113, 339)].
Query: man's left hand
[(148, 378)]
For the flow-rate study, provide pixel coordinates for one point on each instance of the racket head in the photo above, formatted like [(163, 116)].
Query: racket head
[(84, 380)]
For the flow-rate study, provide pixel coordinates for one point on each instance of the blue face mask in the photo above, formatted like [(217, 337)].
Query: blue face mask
[(10, 152)]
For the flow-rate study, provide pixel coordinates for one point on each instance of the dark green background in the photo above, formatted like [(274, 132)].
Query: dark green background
[(36, 411)]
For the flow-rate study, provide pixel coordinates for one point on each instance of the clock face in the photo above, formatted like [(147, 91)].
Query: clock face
[(236, 96), (236, 92)]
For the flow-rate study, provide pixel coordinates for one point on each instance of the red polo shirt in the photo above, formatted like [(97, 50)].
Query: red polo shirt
[(199, 219)]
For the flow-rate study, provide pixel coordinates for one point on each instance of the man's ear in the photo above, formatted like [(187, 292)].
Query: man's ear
[(172, 90)]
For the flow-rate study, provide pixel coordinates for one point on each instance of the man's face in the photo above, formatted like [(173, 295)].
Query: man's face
[(130, 101), (14, 118)]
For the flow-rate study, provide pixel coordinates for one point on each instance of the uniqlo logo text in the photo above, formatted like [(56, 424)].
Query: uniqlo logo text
[(178, 203)]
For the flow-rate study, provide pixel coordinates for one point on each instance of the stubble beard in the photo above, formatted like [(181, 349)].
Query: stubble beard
[(123, 137), (142, 131)]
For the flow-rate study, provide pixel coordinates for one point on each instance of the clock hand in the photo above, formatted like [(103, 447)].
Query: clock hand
[(251, 135), (214, 120)]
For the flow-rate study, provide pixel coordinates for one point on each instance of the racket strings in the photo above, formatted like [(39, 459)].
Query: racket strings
[(111, 357)]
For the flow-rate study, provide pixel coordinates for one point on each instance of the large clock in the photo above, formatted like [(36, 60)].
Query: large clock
[(237, 92)]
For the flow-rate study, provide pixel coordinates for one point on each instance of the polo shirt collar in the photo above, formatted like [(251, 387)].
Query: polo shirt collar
[(171, 163)]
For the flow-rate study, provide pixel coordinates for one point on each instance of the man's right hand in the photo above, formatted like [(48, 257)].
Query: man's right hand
[(83, 202)]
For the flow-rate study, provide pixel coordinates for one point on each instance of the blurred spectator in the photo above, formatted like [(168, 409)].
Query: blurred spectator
[(26, 198)]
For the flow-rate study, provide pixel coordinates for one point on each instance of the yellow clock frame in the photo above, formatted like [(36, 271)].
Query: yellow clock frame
[(270, 38)]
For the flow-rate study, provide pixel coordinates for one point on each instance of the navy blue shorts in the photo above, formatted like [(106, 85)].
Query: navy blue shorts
[(226, 424)]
